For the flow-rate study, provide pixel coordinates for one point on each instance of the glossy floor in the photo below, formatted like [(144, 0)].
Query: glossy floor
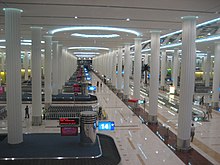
[(136, 143)]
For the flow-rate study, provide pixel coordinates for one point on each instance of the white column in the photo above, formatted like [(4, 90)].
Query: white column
[(207, 69), (126, 71), (110, 66), (175, 68), (216, 78), (119, 77), (203, 67), (25, 65), (48, 70), (154, 76), (55, 67), (114, 69), (60, 47), (187, 81), (163, 69), (36, 75), (13, 68), (137, 68)]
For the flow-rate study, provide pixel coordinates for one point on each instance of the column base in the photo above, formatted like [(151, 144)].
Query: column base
[(152, 119), (36, 120), (59, 91), (183, 145), (47, 105), (125, 97), (215, 105)]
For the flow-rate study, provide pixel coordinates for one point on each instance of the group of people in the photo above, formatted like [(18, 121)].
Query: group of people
[(97, 84)]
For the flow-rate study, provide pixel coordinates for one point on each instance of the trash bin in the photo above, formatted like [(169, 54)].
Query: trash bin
[(88, 127)]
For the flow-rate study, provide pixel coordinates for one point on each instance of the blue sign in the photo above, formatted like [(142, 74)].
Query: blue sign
[(91, 88), (88, 78), (106, 125)]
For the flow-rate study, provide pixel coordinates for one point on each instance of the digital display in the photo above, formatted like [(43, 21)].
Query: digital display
[(92, 88), (106, 125), (141, 101), (69, 131), (69, 121)]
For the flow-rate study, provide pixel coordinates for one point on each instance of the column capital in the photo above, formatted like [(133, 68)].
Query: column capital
[(189, 17), (12, 9), (36, 27), (48, 36), (138, 39), (155, 31)]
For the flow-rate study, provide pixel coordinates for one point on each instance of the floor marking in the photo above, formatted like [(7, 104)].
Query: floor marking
[(140, 159), (132, 145)]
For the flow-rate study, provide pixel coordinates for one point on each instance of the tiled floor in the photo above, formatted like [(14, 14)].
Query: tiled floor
[(136, 143)]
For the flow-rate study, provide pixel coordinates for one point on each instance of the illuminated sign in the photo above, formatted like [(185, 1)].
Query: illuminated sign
[(91, 88), (69, 131), (141, 101), (88, 78), (106, 125), (65, 122)]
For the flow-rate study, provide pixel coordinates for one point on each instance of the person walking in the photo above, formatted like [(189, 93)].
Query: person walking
[(192, 134), (27, 112)]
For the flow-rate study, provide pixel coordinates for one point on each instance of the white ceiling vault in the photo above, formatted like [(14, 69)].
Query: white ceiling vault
[(138, 15)]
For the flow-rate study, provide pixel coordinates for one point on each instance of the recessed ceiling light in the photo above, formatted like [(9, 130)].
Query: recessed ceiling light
[(127, 19), (75, 17)]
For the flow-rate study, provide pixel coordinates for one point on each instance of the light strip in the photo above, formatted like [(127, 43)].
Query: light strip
[(85, 56), (180, 31), (208, 22), (208, 39), (2, 47), (94, 28), (86, 53), (24, 41), (95, 35), (88, 48)]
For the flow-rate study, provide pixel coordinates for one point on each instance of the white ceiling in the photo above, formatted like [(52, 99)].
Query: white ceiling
[(145, 15)]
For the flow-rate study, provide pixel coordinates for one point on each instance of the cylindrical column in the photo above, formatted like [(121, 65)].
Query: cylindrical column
[(13, 68), (26, 65), (207, 69), (60, 47), (175, 68), (154, 76), (110, 66), (119, 77), (36, 76), (137, 68), (114, 69), (55, 67), (163, 69), (186, 82), (126, 71), (48, 70), (216, 78)]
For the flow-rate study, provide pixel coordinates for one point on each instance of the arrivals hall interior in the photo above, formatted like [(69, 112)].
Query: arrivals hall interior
[(129, 82)]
